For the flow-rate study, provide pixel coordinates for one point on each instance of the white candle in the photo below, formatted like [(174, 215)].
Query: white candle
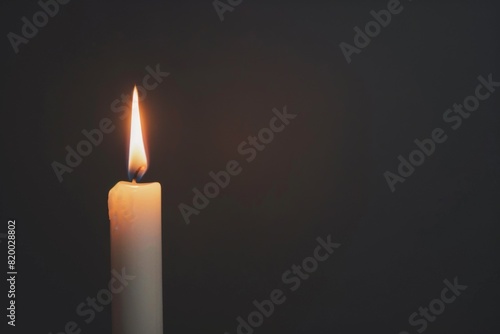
[(135, 216)]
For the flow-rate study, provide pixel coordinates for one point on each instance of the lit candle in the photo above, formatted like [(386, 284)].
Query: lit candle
[(135, 216)]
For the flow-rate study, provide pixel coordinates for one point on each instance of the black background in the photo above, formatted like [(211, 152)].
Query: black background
[(322, 175)]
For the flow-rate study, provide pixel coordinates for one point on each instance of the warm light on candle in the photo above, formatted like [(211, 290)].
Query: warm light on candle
[(137, 160)]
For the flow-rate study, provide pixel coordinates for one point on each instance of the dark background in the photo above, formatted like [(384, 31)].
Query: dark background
[(322, 175)]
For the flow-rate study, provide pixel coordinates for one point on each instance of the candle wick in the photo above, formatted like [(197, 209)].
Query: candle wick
[(136, 174)]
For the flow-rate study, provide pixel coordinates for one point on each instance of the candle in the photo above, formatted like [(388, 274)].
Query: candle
[(135, 225)]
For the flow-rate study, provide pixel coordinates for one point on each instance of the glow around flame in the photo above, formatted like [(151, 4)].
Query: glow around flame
[(137, 160)]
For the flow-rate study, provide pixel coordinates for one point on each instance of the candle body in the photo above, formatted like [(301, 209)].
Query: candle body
[(135, 217)]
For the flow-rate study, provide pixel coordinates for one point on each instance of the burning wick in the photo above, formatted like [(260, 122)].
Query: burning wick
[(137, 173)]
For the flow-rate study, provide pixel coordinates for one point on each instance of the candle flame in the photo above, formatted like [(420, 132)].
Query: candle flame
[(137, 160)]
